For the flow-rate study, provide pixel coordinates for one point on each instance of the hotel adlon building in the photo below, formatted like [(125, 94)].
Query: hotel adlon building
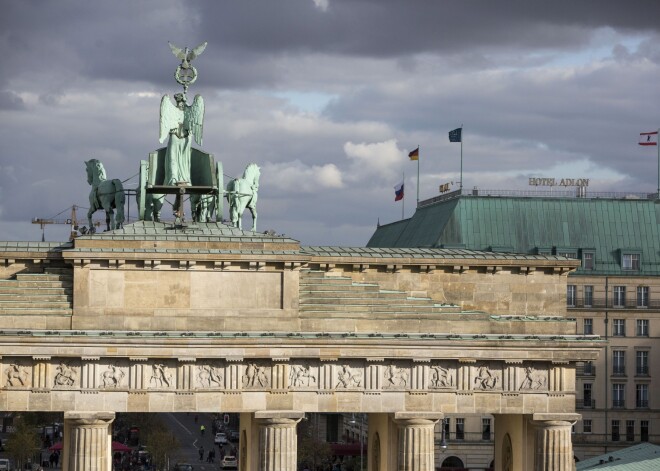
[(614, 293)]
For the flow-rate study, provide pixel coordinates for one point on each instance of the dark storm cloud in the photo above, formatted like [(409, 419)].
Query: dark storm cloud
[(535, 84)]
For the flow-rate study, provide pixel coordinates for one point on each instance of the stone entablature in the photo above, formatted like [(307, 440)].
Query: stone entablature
[(327, 374)]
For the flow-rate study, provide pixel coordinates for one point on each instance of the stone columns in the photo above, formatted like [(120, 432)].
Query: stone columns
[(87, 441), (554, 449), (278, 446), (415, 440)]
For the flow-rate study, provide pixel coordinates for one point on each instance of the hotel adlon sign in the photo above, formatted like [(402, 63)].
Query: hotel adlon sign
[(556, 182)]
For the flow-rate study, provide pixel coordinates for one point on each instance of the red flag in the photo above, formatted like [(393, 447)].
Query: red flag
[(648, 138)]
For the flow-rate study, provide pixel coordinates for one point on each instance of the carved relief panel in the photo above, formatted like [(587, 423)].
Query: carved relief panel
[(533, 379), (396, 375), (349, 376), (17, 374), (442, 375), (211, 375), (256, 375), (302, 375), (486, 376)]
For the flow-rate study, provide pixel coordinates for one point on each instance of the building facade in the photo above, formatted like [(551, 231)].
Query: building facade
[(614, 293)]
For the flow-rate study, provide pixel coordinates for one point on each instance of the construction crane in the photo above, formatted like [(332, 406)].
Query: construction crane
[(72, 221)]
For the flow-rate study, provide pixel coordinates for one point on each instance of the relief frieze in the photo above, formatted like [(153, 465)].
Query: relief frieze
[(211, 376), (442, 377), (16, 375), (486, 377), (302, 376), (534, 380)]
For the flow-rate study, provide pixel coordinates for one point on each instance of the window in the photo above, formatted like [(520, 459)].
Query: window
[(618, 395), (642, 396), (642, 363), (619, 328), (460, 429), (588, 296), (642, 328), (630, 430), (589, 368), (588, 260), (618, 362), (642, 296), (445, 424), (630, 261), (586, 426), (571, 295), (567, 254), (619, 296), (588, 326), (485, 429), (586, 394), (644, 430), (615, 430)]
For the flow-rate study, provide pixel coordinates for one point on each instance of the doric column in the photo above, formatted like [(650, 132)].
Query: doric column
[(87, 441), (278, 446), (415, 438), (554, 449)]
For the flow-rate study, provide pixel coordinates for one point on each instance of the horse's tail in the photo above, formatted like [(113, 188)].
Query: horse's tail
[(120, 201)]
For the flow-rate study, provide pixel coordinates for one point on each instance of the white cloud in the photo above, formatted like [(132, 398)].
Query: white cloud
[(322, 4), (383, 159), (296, 177)]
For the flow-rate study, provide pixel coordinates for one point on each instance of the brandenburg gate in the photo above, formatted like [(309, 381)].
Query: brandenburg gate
[(208, 318)]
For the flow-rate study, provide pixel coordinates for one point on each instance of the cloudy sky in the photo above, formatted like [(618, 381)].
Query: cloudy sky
[(328, 97)]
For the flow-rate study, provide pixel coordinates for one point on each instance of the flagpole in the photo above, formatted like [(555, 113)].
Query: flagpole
[(461, 186), (418, 175), (657, 141)]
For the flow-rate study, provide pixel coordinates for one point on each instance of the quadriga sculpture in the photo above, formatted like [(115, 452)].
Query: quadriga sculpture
[(106, 194), (242, 193)]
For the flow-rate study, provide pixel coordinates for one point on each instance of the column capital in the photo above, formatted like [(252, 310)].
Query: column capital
[(90, 417), (540, 419), (427, 416), (283, 415)]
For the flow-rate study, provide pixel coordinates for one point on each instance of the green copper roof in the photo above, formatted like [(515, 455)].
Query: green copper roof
[(641, 457), (527, 225)]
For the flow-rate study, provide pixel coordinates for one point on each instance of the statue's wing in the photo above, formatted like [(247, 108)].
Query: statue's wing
[(178, 52), (194, 118), (169, 117), (197, 51)]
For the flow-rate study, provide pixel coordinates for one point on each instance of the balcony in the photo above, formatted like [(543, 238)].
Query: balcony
[(618, 371), (642, 371), (586, 369), (618, 403), (585, 404), (601, 303), (642, 404)]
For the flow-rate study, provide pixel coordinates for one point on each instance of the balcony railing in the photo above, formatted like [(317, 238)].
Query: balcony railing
[(586, 370), (642, 404), (585, 404), (618, 403), (642, 370), (601, 302), (618, 370)]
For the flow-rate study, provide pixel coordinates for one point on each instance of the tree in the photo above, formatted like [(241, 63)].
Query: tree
[(160, 443), (23, 443), (312, 451)]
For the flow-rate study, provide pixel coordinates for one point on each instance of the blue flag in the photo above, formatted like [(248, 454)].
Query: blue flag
[(456, 135)]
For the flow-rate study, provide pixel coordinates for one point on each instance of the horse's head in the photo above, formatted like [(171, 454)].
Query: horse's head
[(95, 171), (252, 173)]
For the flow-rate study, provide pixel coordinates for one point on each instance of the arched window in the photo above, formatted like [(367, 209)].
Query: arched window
[(452, 462)]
